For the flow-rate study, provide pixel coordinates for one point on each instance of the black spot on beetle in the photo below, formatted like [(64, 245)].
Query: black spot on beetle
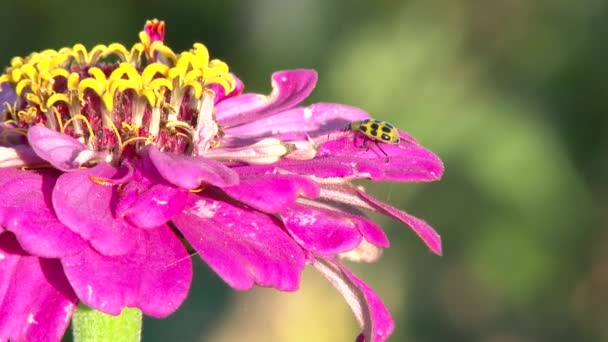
[(389, 125), (386, 137), (363, 129), (375, 126), (374, 132), (386, 129)]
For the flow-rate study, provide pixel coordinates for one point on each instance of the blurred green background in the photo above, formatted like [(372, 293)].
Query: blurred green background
[(511, 94)]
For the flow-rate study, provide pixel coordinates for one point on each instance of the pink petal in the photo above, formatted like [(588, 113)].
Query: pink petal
[(191, 172), (288, 89), (221, 95), (36, 300), (59, 149), (244, 247), (25, 209), (420, 227), (314, 120), (372, 315), (346, 158), (154, 277), (152, 206), (256, 190), (319, 230), (85, 207), (18, 156)]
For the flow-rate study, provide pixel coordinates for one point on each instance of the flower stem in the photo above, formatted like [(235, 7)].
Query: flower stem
[(92, 325)]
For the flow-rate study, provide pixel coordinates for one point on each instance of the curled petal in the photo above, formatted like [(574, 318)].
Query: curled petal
[(191, 172), (320, 230), (62, 151), (314, 120), (18, 156), (344, 158), (243, 246), (36, 300), (25, 209), (272, 193), (155, 276), (85, 206), (372, 315), (288, 89)]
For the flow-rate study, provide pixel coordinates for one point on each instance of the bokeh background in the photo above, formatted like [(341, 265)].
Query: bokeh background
[(512, 94)]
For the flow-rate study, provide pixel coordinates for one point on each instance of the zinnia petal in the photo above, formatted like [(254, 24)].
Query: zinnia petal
[(316, 119), (288, 89), (420, 227), (319, 230), (7, 95), (85, 207), (191, 172), (373, 316), (25, 209), (345, 159), (153, 206), (271, 192), (36, 300), (244, 247), (155, 276), (18, 156), (61, 150)]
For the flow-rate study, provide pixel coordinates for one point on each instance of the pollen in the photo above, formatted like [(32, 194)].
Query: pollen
[(112, 95)]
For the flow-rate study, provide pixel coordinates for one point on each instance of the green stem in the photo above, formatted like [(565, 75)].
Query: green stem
[(91, 325)]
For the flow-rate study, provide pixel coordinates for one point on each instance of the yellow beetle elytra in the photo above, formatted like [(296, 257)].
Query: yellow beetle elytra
[(375, 130)]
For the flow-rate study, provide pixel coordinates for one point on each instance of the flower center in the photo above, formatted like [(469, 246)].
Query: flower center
[(118, 100)]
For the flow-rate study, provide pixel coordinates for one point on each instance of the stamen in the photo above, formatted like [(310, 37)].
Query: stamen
[(86, 122), (148, 141), (199, 189), (116, 132), (180, 124), (36, 167), (101, 181), (59, 120)]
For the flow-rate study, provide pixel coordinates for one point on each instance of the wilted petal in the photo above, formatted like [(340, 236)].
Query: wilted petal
[(372, 315), (155, 276), (345, 158), (18, 156), (316, 119), (272, 192), (288, 89), (320, 230), (36, 300), (7, 95), (265, 151), (191, 172), (86, 208), (61, 150), (25, 209), (420, 227), (244, 247)]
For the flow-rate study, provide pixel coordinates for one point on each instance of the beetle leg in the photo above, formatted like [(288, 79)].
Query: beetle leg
[(386, 155)]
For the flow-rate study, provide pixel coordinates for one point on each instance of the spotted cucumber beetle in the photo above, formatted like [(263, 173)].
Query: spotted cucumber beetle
[(375, 130)]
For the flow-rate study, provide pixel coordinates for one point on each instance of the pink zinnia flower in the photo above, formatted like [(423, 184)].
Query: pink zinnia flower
[(115, 161)]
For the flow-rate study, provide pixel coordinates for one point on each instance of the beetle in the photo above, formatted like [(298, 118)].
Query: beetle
[(376, 131)]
